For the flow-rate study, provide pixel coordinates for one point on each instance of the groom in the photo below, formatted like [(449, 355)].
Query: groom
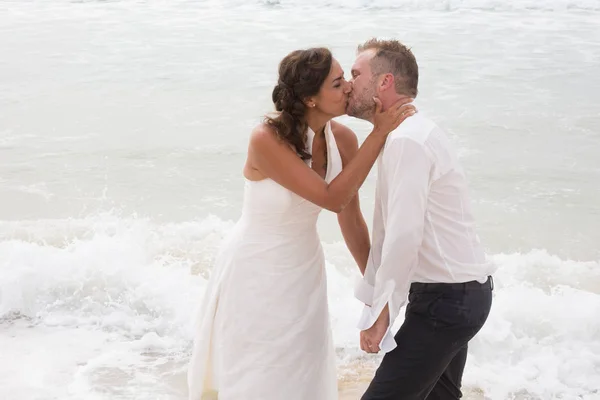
[(425, 246)]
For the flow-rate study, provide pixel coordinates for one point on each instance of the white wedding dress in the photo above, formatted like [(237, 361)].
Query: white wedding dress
[(263, 331)]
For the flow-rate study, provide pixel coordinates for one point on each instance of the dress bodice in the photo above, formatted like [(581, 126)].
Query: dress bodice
[(270, 206)]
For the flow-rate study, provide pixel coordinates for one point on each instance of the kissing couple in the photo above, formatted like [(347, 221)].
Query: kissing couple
[(263, 331)]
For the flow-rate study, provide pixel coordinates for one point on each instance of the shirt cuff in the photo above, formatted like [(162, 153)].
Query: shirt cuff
[(387, 343), (363, 291)]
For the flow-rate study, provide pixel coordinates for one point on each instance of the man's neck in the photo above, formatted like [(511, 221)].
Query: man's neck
[(388, 101)]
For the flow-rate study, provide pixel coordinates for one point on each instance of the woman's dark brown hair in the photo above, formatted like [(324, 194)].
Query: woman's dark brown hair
[(301, 75)]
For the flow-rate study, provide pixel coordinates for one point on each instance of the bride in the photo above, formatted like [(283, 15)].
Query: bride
[(263, 331)]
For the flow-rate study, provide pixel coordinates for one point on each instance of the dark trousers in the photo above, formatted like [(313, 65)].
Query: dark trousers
[(431, 352)]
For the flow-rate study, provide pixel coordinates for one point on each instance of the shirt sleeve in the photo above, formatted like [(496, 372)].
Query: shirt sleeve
[(407, 168)]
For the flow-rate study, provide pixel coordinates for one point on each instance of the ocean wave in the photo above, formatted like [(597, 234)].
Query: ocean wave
[(141, 282), (409, 5), (104, 272), (441, 5)]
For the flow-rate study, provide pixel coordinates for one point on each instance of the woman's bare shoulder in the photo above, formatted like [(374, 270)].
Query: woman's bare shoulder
[(262, 133)]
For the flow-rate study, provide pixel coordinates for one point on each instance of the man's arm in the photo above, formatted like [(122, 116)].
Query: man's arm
[(407, 172)]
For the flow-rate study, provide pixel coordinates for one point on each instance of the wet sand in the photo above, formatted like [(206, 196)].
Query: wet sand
[(355, 381)]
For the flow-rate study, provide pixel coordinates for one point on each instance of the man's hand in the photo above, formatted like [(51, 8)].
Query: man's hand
[(372, 337)]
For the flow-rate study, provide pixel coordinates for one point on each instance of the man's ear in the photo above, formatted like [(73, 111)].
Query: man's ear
[(387, 81)]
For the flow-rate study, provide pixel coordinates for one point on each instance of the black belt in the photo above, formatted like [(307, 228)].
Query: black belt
[(438, 286)]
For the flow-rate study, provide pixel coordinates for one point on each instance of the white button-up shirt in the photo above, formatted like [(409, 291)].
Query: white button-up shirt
[(423, 227)]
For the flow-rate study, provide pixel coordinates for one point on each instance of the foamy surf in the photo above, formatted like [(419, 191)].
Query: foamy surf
[(103, 308)]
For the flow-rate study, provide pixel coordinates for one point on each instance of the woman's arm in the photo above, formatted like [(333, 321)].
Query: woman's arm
[(276, 160), (352, 222)]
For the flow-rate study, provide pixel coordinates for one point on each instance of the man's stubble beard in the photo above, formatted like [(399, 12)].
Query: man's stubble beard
[(364, 105), (362, 111)]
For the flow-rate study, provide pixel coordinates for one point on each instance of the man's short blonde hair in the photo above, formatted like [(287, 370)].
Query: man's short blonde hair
[(393, 57)]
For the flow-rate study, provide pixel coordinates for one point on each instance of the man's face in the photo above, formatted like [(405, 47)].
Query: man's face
[(360, 103)]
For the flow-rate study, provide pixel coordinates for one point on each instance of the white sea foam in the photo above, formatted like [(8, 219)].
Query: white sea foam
[(442, 5), (106, 305)]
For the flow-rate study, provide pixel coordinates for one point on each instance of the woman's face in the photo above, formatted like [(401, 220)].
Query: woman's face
[(332, 98)]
